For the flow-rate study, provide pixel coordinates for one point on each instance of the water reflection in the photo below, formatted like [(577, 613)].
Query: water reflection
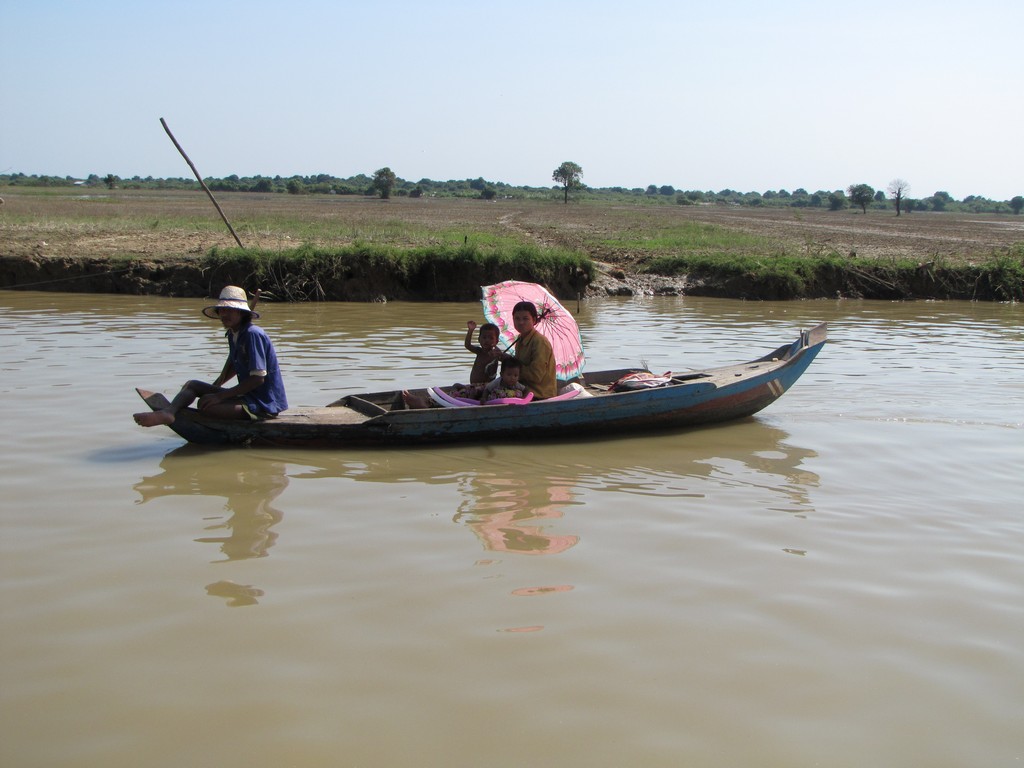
[(751, 455), (503, 504), (249, 494), (508, 493), (515, 500), (503, 511), (237, 594)]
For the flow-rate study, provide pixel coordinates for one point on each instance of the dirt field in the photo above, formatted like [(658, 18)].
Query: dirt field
[(168, 225)]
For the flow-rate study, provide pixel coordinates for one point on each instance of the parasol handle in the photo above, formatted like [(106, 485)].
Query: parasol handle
[(511, 344)]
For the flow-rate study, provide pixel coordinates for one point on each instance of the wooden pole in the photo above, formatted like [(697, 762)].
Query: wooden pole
[(202, 183)]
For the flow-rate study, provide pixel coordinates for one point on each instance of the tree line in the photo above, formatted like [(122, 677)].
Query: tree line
[(385, 183)]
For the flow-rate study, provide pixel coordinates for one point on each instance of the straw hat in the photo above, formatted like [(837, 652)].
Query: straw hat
[(232, 297)]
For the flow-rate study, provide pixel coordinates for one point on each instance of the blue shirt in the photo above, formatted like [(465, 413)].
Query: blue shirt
[(252, 353)]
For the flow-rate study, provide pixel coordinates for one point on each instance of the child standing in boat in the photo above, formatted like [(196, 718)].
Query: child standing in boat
[(485, 365), (259, 393)]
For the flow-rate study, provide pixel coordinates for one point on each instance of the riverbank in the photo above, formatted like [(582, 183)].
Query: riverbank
[(361, 249)]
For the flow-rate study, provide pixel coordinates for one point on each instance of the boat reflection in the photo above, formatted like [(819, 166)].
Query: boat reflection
[(509, 492), (748, 454), (513, 498)]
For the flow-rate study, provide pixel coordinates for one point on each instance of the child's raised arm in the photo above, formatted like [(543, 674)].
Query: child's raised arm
[(470, 327)]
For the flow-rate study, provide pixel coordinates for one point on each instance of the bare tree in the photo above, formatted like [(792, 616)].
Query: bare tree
[(898, 188)]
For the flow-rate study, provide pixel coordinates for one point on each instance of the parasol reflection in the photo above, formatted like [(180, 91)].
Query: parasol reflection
[(505, 513)]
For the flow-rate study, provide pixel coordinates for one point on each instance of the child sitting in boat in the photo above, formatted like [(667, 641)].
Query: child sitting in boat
[(506, 386)]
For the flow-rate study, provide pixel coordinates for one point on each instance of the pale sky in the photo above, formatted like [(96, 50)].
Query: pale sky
[(751, 96)]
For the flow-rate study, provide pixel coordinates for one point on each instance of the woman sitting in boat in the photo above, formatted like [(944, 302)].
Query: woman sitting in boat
[(534, 353)]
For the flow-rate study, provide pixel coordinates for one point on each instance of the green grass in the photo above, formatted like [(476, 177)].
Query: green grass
[(691, 237), (396, 232), (453, 271), (1005, 272), (439, 272), (785, 276)]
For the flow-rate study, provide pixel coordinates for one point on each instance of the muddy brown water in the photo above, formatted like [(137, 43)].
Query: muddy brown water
[(836, 581)]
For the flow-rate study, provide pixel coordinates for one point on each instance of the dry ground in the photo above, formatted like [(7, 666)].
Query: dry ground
[(170, 225)]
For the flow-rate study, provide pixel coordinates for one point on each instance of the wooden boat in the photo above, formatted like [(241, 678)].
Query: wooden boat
[(381, 418)]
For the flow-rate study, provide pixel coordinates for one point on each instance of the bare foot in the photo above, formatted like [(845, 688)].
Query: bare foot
[(153, 418), (413, 401)]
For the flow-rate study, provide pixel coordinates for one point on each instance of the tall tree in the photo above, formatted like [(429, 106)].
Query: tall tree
[(898, 188), (1017, 204), (862, 195), (568, 175), (383, 182)]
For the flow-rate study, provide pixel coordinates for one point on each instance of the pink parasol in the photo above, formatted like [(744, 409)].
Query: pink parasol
[(554, 321)]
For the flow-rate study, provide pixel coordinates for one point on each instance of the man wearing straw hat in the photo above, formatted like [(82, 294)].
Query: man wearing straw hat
[(259, 393)]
